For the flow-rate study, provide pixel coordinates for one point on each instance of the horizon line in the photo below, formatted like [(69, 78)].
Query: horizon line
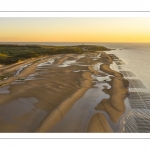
[(71, 42)]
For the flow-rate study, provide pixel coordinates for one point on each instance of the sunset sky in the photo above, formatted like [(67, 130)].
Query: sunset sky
[(75, 29)]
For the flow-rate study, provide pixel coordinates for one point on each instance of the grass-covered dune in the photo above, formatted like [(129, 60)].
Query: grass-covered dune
[(10, 54)]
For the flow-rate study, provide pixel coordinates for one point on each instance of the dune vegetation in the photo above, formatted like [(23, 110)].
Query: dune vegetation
[(10, 54)]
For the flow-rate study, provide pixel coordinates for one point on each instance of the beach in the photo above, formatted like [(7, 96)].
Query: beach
[(55, 94), (93, 92)]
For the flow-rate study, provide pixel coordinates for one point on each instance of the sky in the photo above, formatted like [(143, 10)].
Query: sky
[(54, 29)]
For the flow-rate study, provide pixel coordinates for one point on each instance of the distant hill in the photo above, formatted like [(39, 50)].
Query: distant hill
[(13, 53)]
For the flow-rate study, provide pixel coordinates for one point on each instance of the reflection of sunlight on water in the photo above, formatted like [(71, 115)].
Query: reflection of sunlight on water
[(67, 63), (96, 57), (113, 66), (30, 77), (105, 78), (47, 63), (80, 56), (97, 66), (21, 68), (79, 70)]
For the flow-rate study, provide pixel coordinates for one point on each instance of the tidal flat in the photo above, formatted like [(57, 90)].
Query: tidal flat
[(62, 93)]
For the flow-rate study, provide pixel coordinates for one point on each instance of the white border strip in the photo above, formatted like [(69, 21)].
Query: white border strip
[(75, 5), (74, 14), (75, 135)]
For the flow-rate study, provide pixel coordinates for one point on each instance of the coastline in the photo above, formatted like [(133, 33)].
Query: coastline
[(74, 75), (114, 106)]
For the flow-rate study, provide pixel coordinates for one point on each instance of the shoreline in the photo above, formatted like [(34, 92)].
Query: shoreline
[(63, 88), (113, 106)]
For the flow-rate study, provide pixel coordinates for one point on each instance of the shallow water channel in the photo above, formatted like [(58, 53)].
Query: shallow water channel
[(77, 118)]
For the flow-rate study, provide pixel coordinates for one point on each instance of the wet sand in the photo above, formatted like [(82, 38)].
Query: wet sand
[(114, 106), (40, 96), (98, 123), (64, 107)]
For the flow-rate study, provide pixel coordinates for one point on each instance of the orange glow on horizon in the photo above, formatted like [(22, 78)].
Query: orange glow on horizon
[(74, 30)]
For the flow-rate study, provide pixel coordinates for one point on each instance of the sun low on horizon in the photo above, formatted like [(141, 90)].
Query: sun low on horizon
[(54, 29)]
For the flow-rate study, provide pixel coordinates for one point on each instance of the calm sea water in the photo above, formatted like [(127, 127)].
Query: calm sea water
[(145, 46), (137, 60)]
